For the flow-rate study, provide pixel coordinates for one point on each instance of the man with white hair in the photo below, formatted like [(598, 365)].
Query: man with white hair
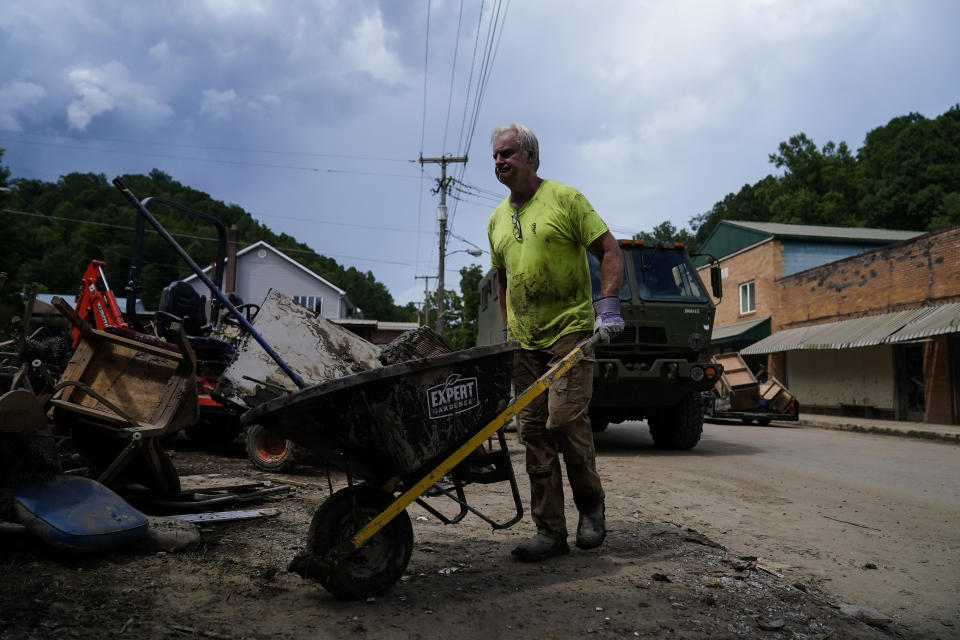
[(538, 238)]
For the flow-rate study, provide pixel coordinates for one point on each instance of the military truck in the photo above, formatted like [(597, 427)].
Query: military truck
[(654, 370)]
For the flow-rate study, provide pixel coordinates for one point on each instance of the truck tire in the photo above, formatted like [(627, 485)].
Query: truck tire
[(679, 428), (598, 423), (764, 421)]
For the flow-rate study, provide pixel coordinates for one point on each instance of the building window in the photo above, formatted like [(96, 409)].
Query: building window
[(314, 303), (748, 302)]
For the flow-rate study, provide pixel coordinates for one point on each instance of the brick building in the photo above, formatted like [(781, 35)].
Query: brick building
[(876, 333), (753, 255)]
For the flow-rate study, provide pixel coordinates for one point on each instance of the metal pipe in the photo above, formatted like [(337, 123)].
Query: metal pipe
[(213, 288)]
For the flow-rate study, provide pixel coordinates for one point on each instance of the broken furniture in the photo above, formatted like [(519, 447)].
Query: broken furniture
[(739, 396), (119, 394)]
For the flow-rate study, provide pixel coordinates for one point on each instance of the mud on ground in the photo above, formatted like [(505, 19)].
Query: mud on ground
[(651, 579)]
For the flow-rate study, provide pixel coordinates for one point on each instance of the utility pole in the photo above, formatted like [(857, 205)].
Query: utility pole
[(426, 297), (442, 184)]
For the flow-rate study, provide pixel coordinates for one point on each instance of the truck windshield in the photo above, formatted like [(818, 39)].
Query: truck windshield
[(595, 278), (666, 274)]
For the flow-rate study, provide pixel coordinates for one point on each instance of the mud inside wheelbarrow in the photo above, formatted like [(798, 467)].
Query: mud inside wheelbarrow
[(397, 421)]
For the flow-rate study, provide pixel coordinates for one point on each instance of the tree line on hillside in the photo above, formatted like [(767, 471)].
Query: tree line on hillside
[(51, 230), (905, 176)]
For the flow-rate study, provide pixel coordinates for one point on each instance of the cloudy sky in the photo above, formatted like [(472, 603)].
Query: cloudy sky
[(311, 114)]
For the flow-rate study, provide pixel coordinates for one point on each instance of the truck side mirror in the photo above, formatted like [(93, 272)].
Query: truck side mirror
[(715, 282)]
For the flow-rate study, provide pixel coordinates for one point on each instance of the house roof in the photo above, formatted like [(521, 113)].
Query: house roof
[(731, 236), (260, 244), (46, 300), (900, 326), (825, 232)]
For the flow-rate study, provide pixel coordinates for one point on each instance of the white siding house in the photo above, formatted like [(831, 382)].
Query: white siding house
[(261, 267)]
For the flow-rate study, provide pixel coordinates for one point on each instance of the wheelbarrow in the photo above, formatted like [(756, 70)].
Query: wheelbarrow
[(401, 429)]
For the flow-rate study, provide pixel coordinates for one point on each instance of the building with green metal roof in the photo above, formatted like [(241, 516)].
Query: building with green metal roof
[(804, 245), (875, 331)]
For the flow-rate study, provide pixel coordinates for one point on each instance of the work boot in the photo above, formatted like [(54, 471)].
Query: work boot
[(591, 529), (540, 547)]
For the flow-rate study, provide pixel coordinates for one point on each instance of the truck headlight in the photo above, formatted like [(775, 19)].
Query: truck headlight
[(696, 374)]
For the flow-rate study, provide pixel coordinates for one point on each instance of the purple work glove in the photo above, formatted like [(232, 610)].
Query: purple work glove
[(608, 321)]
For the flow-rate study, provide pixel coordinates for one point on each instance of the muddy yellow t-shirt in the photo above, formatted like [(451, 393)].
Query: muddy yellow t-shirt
[(548, 280)]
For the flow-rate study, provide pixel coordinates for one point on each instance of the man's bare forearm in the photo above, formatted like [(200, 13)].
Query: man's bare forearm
[(611, 264)]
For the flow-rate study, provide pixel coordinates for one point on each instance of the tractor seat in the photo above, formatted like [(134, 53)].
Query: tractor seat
[(181, 301)]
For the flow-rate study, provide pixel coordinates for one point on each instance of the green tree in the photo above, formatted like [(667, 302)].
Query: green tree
[(4, 171), (906, 176), (667, 234), (10, 243), (460, 310), (52, 231), (819, 186), (461, 330), (750, 204), (911, 171)]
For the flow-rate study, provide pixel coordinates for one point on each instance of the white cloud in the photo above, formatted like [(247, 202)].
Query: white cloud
[(16, 96), (218, 104), (605, 152), (367, 50), (108, 88), (160, 51), (654, 108), (681, 115), (266, 101), (237, 9)]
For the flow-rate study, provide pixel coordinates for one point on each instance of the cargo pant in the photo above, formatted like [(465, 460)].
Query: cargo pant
[(556, 423)]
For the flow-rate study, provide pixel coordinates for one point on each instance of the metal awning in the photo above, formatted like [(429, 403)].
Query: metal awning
[(748, 331), (944, 318), (887, 328)]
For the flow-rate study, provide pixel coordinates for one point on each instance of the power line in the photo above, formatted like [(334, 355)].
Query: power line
[(230, 162), (474, 192), (193, 237), (453, 72), (468, 242), (426, 58), (473, 66), (203, 147), (340, 224), (491, 48)]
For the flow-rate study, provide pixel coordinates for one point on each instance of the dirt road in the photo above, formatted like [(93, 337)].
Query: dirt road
[(663, 572), (873, 519)]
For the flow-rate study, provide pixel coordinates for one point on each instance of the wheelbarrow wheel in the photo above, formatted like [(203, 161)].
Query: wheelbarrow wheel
[(379, 562), (269, 451)]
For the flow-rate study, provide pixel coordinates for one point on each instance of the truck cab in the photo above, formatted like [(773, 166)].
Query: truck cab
[(654, 371)]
